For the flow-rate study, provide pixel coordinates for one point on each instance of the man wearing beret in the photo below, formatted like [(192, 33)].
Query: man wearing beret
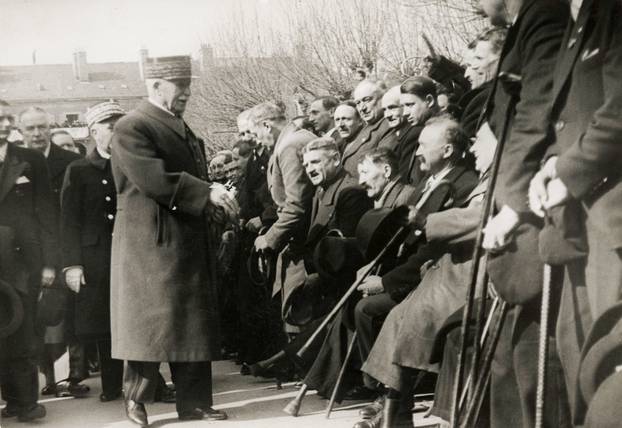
[(27, 214), (88, 209), (163, 296)]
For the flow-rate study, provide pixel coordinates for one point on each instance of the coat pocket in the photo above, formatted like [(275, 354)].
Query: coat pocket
[(162, 229)]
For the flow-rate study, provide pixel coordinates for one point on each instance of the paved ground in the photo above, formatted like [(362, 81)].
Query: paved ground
[(248, 401)]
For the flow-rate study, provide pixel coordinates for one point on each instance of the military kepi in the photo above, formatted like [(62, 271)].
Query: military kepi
[(102, 111), (168, 67)]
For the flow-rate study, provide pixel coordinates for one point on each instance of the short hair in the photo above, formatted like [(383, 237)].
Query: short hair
[(244, 147), (453, 133), (31, 109), (4, 103), (328, 102), (60, 132), (265, 111), (322, 143), (243, 116), (419, 86), (495, 36), (380, 87), (350, 103), (383, 156)]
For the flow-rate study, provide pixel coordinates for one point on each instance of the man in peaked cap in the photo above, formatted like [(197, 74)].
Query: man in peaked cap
[(88, 208), (163, 295)]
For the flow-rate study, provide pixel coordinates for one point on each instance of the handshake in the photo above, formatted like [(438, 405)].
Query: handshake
[(223, 197)]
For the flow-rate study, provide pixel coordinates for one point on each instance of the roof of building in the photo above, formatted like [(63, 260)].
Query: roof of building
[(116, 80)]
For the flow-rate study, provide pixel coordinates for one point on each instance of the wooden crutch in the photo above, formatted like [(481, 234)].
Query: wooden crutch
[(333, 395)]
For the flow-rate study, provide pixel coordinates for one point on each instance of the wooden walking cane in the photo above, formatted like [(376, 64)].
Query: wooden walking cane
[(543, 345), (333, 395)]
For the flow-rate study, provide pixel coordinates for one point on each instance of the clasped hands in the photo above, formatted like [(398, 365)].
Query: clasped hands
[(74, 278), (221, 197), (371, 285)]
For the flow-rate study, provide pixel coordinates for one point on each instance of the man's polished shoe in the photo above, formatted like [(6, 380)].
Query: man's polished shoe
[(136, 413), (209, 414), (166, 395), (78, 390), (373, 409), (35, 412), (104, 397), (9, 412), (360, 393)]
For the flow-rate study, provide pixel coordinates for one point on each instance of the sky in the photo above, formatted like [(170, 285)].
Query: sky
[(110, 30)]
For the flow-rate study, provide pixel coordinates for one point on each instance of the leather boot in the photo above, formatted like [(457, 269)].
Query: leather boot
[(389, 412), (374, 422)]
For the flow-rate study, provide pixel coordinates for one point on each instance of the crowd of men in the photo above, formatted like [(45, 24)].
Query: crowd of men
[(170, 258)]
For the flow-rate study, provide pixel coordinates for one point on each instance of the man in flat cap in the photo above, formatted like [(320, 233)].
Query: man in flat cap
[(163, 296), (88, 209)]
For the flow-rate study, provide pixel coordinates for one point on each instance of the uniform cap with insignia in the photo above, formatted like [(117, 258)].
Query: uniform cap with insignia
[(169, 67), (102, 111)]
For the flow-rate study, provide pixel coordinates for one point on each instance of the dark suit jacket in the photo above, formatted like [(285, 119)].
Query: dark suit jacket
[(367, 139), (587, 105), (58, 160), (520, 101), (88, 209), (257, 196), (27, 207), (410, 164)]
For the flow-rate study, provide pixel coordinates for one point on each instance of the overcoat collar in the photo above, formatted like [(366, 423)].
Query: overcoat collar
[(12, 169), (364, 136), (175, 123), (96, 159), (57, 160)]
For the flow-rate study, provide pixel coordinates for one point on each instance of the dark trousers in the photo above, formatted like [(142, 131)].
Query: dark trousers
[(514, 372), (18, 361), (193, 383), (111, 369), (369, 314)]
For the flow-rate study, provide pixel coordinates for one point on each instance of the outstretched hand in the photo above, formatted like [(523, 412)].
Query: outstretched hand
[(221, 197)]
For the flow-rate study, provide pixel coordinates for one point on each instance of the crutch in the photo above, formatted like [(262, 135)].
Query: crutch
[(475, 283), (333, 395), (543, 345)]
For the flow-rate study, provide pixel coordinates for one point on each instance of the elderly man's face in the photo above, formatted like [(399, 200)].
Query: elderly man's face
[(373, 177), (348, 122), (102, 134), (433, 150), (483, 63), (320, 118), (6, 123), (484, 148), (416, 110), (65, 142), (367, 102), (321, 165), (35, 128), (216, 168), (244, 131), (392, 111), (175, 95), (264, 132)]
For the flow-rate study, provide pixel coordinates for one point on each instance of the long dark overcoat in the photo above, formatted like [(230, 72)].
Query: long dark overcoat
[(88, 208), (164, 305)]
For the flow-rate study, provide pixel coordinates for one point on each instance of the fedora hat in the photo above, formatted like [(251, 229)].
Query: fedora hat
[(335, 257), (602, 351), (376, 228), (11, 309), (604, 410)]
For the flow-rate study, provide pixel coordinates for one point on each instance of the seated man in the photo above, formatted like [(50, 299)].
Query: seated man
[(441, 148), (408, 333), (338, 204)]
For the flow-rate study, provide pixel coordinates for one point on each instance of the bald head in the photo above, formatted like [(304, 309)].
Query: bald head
[(367, 97), (392, 108)]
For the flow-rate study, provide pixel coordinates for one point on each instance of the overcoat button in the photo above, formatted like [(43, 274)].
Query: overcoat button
[(110, 217), (104, 181)]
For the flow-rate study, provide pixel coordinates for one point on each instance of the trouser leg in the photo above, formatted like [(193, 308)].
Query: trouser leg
[(193, 383), (77, 362), (368, 316), (111, 369), (140, 381), (18, 368)]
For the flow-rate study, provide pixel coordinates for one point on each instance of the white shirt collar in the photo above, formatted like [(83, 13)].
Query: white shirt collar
[(102, 153), (3, 150), (46, 152), (161, 107)]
